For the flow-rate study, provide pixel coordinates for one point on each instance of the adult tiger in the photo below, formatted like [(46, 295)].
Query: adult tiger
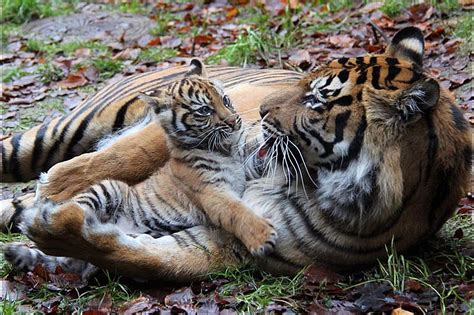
[(385, 146)]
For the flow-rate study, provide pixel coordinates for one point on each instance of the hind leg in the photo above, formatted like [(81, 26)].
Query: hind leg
[(25, 257), (70, 230)]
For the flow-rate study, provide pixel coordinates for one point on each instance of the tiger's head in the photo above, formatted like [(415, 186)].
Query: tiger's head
[(194, 111), (376, 128)]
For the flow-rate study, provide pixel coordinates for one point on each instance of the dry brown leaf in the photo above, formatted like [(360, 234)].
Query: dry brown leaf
[(231, 13), (203, 39), (400, 311), (72, 81)]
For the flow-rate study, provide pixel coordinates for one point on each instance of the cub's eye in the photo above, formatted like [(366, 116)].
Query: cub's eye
[(227, 102), (204, 111)]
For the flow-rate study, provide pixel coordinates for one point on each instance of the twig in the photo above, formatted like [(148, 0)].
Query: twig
[(375, 29)]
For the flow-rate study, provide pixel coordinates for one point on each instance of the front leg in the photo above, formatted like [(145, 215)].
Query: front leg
[(229, 213), (73, 231), (131, 159)]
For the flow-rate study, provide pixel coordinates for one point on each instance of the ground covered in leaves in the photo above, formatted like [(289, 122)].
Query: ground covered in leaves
[(56, 54)]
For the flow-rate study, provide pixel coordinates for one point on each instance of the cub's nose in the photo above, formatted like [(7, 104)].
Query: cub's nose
[(231, 121), (263, 111)]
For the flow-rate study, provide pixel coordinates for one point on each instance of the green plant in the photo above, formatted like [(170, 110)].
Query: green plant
[(394, 7), (465, 27), (255, 289), (157, 54), (49, 72), (12, 73), (134, 7), (107, 67), (22, 11), (163, 17)]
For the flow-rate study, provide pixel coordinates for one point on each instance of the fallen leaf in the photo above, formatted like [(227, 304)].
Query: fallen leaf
[(180, 297), (170, 41), (203, 39), (82, 53), (72, 102), (154, 42), (21, 100), (399, 311), (231, 13), (24, 81), (371, 7), (6, 56), (11, 291), (318, 274), (91, 74), (413, 285), (72, 81)]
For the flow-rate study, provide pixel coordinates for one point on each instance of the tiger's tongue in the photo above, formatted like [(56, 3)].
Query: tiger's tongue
[(262, 152)]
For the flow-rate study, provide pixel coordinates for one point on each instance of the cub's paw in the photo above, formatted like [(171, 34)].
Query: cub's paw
[(260, 237), (35, 222), (22, 256)]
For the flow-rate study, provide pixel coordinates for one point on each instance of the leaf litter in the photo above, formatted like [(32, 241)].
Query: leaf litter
[(299, 36)]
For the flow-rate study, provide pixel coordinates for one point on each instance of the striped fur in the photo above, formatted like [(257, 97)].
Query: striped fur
[(359, 153)]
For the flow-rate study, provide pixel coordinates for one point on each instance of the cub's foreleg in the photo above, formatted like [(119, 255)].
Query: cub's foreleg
[(131, 158), (228, 212)]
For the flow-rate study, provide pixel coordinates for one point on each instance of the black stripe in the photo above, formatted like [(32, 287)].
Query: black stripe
[(353, 152), (38, 148), (319, 236), (180, 240), (78, 135), (120, 116), (85, 201), (376, 77), (15, 169), (343, 75), (195, 240)]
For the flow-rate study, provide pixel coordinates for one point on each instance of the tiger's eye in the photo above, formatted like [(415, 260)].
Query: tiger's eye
[(204, 111), (227, 102)]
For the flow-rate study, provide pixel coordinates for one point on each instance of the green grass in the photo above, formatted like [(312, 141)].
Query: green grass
[(5, 267), (29, 116), (163, 17), (107, 67), (68, 49), (157, 54), (394, 7), (260, 40), (22, 11), (424, 268), (464, 28), (12, 73), (255, 289)]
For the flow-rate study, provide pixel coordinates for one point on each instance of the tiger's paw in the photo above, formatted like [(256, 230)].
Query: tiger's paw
[(21, 256), (260, 237), (64, 180)]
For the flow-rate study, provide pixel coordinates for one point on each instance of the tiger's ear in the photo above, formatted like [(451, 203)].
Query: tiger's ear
[(158, 100), (408, 44), (403, 107), (196, 67)]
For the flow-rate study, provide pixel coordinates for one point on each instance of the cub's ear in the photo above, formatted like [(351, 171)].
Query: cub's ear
[(196, 67), (403, 107), (408, 44), (158, 100)]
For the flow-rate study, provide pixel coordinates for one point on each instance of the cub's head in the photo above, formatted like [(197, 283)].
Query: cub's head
[(379, 120), (195, 111)]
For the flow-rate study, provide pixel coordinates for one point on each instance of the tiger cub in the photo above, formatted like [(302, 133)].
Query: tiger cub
[(201, 184)]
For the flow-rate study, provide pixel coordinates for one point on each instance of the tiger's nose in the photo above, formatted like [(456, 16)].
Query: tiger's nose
[(231, 121), (263, 111)]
